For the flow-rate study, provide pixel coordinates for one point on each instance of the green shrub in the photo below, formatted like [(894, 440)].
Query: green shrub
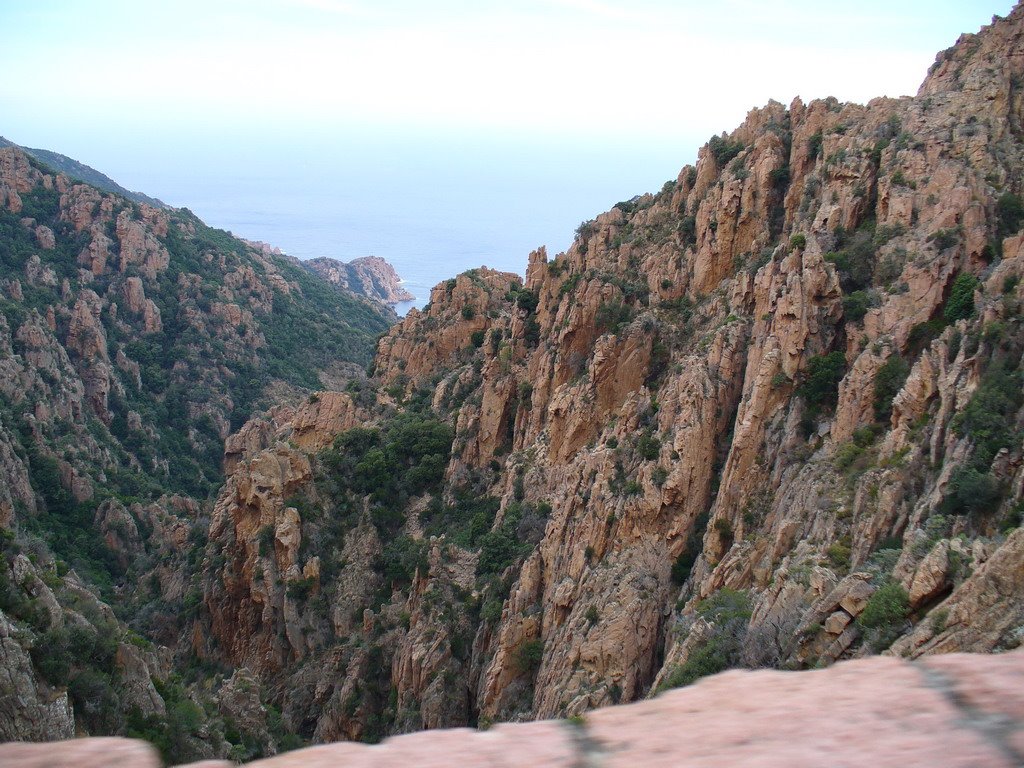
[(491, 611), (527, 300), (712, 657), (51, 656), (888, 382), (885, 615), (846, 455), (971, 491), (648, 447), (683, 564), (96, 703), (729, 612), (1013, 518), (402, 557), (531, 332), (409, 458), (476, 338), (814, 145), (659, 476), (854, 258), (988, 417), (922, 335), (299, 589), (779, 178), (528, 656), (899, 180), (687, 229), (266, 540), (960, 304), (611, 316), (839, 555), (724, 150), (821, 383), (725, 605), (856, 305), (498, 550), (1009, 215), (944, 238), (798, 241)]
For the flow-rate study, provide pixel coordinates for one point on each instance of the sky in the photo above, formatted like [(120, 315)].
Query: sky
[(564, 104), (591, 68)]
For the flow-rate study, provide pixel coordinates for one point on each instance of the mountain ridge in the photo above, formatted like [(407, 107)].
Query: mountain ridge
[(84, 173), (713, 433), (770, 416)]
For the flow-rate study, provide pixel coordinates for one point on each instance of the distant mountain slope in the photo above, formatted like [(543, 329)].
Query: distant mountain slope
[(369, 276), (82, 172), (133, 340)]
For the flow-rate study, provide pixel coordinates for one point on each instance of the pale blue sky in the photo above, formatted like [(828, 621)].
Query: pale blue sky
[(486, 126), (591, 69)]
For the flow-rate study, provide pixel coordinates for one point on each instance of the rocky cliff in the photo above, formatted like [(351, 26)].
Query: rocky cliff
[(769, 416), (133, 341), (369, 276)]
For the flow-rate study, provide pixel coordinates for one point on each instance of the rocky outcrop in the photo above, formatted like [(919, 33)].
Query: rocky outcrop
[(133, 341), (252, 615), (369, 276), (656, 387), (431, 339), (731, 426), (29, 710)]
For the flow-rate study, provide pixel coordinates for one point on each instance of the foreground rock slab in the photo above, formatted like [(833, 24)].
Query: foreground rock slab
[(81, 753), (955, 711)]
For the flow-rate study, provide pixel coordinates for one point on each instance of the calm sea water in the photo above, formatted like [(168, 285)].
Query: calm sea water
[(432, 209)]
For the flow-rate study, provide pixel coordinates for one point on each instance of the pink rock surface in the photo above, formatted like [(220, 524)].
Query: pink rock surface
[(957, 711), (986, 683), (873, 712), (80, 753), (546, 743)]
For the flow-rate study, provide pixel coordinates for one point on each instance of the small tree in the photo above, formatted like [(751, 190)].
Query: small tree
[(961, 298), (888, 382), (529, 655), (884, 615), (821, 387)]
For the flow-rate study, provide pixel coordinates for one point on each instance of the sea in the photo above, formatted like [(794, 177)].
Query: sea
[(433, 209)]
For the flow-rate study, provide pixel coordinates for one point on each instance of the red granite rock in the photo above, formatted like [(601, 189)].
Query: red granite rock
[(80, 753), (958, 711)]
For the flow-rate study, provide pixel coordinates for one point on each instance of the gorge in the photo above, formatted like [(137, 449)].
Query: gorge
[(767, 417)]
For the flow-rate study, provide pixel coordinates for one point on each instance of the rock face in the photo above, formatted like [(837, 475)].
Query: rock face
[(133, 341), (369, 276), (770, 416), (745, 421), (158, 327), (957, 710)]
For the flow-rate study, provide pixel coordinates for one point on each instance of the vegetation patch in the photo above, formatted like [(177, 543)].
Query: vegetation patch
[(729, 613), (885, 616)]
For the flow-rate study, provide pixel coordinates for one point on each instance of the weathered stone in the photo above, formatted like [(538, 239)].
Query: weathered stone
[(837, 622), (918, 715)]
